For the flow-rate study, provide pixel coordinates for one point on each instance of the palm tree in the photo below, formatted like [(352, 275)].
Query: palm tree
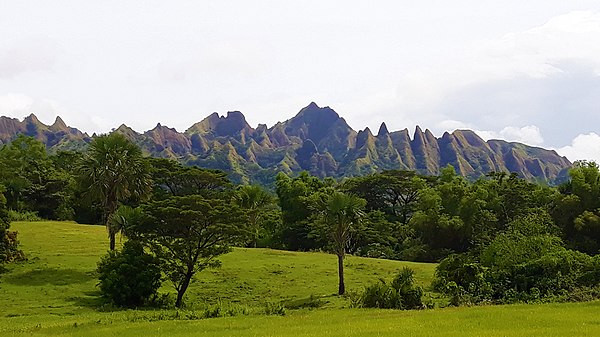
[(113, 170), (121, 219), (341, 213), (255, 200)]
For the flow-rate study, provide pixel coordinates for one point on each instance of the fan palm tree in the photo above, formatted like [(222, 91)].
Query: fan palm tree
[(113, 170), (341, 213), (255, 200)]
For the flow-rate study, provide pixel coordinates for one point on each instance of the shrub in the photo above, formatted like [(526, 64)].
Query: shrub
[(9, 250), (23, 216), (554, 275), (275, 309), (401, 293), (129, 278), (224, 310), (463, 279)]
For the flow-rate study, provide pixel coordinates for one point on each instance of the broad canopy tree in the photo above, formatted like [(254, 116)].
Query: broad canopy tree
[(394, 192), (171, 178), (188, 233)]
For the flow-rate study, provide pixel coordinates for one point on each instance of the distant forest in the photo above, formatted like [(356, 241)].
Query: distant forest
[(498, 238)]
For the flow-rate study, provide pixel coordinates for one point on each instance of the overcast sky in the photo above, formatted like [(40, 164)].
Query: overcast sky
[(525, 71)]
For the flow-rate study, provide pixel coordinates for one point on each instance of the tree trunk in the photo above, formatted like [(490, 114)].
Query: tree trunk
[(341, 288), (181, 291), (112, 237)]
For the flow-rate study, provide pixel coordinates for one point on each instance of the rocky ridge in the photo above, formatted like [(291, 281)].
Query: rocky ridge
[(317, 140)]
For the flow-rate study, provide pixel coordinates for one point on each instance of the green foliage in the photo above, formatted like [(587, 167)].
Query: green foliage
[(401, 293), (393, 192), (33, 181), (260, 206), (188, 233), (171, 178), (130, 277), (511, 248), (113, 171), (23, 216), (577, 208), (9, 250), (516, 267), (293, 195), (339, 214), (275, 309), (463, 279)]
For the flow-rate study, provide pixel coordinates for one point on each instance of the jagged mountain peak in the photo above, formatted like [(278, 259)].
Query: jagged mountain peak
[(366, 131), (59, 124), (124, 128), (127, 132), (383, 130), (221, 126), (32, 118), (316, 139), (314, 122)]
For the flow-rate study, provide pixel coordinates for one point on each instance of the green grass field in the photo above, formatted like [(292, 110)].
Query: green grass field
[(54, 293)]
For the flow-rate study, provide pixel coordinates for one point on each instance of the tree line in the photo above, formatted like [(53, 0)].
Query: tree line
[(181, 218)]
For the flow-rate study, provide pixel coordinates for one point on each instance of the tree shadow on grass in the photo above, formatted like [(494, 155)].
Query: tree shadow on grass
[(90, 299), (49, 276)]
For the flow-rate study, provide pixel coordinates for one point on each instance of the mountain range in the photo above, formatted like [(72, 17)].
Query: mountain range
[(317, 140)]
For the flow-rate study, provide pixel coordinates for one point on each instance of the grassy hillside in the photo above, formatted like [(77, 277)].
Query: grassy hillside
[(54, 293)]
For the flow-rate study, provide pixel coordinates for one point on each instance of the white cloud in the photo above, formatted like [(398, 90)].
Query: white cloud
[(583, 147), (529, 134)]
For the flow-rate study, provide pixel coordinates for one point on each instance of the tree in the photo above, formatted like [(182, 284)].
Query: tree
[(339, 213), (577, 210), (257, 202), (23, 162), (293, 196), (130, 277), (171, 178), (8, 239), (34, 181), (122, 218), (188, 233), (113, 170), (394, 192)]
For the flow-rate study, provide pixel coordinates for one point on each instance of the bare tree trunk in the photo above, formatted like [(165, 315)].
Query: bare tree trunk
[(181, 291), (342, 288)]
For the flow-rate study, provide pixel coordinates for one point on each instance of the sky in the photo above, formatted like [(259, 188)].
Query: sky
[(526, 71)]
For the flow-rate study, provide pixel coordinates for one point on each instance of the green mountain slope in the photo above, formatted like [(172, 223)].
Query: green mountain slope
[(317, 140)]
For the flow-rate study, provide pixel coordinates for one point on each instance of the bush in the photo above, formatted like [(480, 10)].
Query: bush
[(556, 275), (275, 309), (401, 293), (463, 279), (23, 216), (9, 250), (129, 278), (224, 310)]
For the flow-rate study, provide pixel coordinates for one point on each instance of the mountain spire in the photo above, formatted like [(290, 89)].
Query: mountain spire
[(383, 130)]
